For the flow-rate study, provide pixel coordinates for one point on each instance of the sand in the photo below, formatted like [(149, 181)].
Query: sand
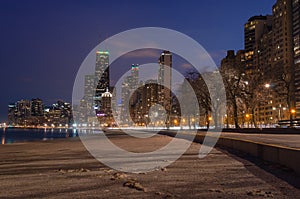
[(64, 169)]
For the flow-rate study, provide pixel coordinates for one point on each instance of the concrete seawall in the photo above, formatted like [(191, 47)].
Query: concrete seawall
[(286, 156), (263, 131)]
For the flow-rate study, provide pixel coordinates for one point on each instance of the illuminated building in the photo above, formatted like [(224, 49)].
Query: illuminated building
[(102, 72), (33, 113), (94, 86), (23, 112), (296, 38), (141, 100), (283, 60), (105, 112), (89, 86), (129, 86), (164, 80), (12, 110), (37, 107), (253, 31)]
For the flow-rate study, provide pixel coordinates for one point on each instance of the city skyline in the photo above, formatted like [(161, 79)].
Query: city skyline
[(42, 50)]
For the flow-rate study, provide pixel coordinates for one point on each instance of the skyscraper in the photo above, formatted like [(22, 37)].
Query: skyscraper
[(135, 74), (94, 86), (165, 79), (102, 71), (89, 86), (129, 85)]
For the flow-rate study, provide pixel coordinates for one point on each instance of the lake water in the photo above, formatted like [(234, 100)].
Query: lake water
[(12, 135)]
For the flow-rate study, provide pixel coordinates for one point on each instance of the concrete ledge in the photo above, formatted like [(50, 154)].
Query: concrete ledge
[(264, 130), (289, 157), (285, 156)]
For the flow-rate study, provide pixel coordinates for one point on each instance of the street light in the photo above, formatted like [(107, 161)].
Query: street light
[(247, 117), (268, 97), (267, 85), (293, 111), (175, 122)]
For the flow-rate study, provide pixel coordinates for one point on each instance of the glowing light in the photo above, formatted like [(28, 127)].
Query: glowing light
[(267, 85), (103, 52)]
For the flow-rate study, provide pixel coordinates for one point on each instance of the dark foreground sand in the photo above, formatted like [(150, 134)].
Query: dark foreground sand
[(64, 169)]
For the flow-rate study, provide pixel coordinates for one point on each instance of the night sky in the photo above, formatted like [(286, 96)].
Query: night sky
[(43, 43)]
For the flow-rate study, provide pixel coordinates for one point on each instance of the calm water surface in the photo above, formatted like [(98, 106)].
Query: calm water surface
[(12, 135)]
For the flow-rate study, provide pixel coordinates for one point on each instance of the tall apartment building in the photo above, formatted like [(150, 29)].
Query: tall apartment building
[(269, 53), (296, 39), (283, 58), (272, 52), (254, 29), (165, 78), (143, 98)]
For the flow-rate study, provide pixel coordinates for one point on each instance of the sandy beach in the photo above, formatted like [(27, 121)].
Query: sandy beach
[(64, 169)]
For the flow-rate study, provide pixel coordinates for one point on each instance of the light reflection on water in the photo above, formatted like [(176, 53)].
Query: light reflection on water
[(12, 135), (3, 139)]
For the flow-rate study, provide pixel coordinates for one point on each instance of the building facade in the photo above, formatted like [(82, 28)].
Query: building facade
[(296, 40), (165, 81)]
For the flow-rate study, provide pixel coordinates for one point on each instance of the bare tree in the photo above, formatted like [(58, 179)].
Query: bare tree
[(202, 94), (253, 92), (233, 78), (210, 95)]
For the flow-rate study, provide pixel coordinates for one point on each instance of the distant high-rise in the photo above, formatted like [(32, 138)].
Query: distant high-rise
[(24, 109), (129, 85), (165, 79), (102, 71), (89, 86), (135, 75), (37, 107), (12, 110)]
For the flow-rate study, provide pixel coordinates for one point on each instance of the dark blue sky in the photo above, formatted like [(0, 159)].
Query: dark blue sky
[(42, 43)]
